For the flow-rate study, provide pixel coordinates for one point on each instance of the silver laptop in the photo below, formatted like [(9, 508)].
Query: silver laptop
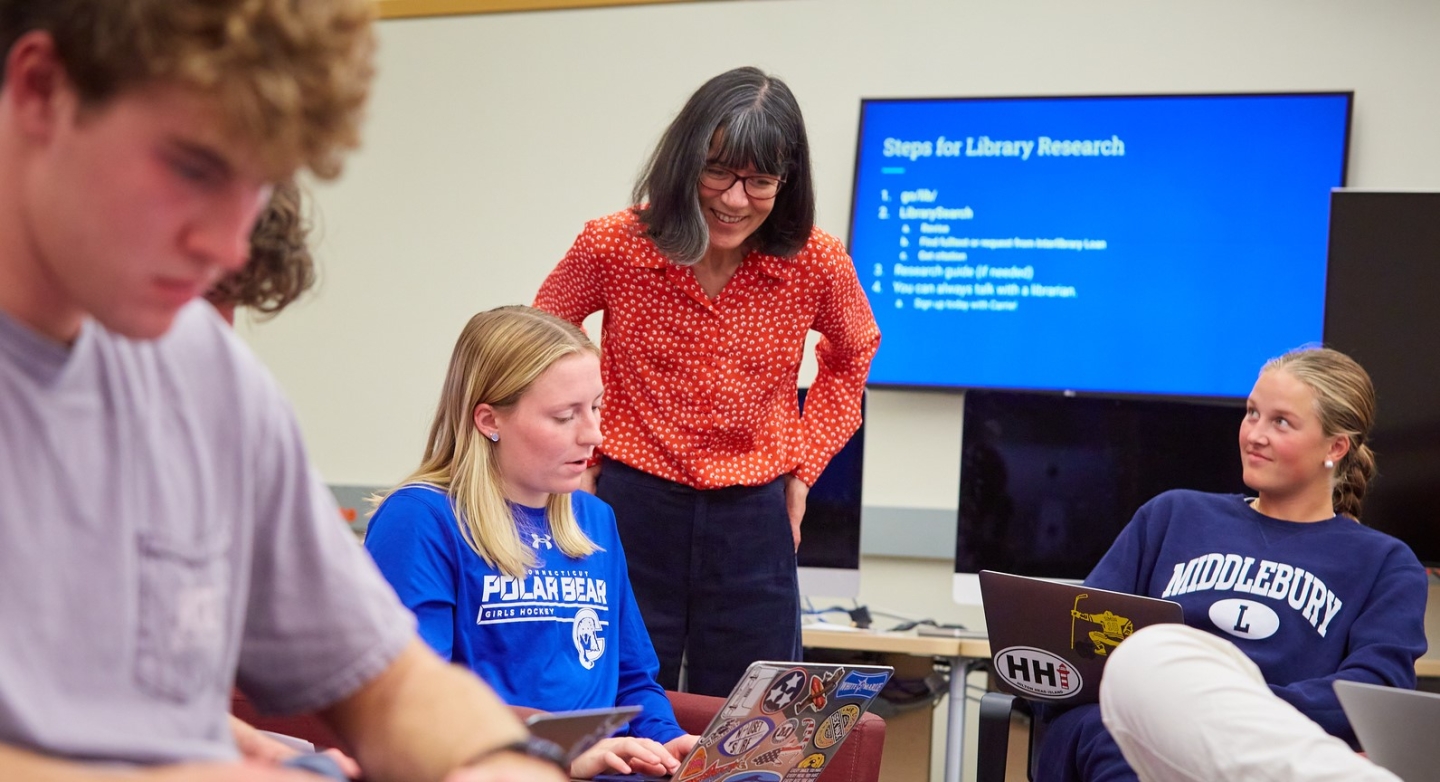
[(1050, 640), (1397, 728)]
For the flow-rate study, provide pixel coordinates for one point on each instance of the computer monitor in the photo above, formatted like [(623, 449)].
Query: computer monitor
[(1094, 243), (1380, 309), (1048, 480), (829, 555)]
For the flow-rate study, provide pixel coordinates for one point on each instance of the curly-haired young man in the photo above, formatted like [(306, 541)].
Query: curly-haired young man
[(162, 534)]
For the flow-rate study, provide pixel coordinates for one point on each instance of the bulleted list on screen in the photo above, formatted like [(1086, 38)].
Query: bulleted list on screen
[(942, 265)]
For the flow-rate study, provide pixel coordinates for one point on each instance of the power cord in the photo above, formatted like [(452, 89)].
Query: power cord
[(859, 615), (911, 625), (863, 617)]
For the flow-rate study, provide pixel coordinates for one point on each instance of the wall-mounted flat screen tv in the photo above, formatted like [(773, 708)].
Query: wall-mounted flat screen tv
[(1047, 481), (1141, 244)]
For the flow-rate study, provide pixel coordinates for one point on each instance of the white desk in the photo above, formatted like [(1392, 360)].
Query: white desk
[(964, 654)]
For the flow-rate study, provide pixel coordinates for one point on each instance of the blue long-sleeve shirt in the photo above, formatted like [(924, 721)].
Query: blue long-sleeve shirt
[(1308, 602), (566, 636)]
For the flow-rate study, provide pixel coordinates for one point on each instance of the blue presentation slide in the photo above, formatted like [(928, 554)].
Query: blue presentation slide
[(1162, 245)]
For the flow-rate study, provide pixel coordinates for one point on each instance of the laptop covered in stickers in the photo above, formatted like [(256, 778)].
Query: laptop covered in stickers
[(1049, 640), (783, 722)]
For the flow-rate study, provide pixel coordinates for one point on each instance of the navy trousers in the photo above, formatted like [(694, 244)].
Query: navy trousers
[(713, 572), (1078, 748)]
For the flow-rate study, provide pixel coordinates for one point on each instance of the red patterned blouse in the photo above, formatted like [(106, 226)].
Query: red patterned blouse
[(701, 390)]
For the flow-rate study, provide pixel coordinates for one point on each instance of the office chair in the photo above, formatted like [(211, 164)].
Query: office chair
[(997, 711)]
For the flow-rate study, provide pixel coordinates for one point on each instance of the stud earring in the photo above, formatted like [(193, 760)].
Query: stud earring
[(494, 437), (1329, 464)]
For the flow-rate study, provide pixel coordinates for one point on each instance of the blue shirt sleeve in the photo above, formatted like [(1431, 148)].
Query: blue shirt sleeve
[(414, 549)]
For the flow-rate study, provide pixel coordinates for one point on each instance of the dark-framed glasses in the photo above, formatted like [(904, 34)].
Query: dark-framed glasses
[(761, 186)]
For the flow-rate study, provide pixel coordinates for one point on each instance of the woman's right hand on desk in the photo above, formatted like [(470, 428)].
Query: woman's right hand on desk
[(626, 755)]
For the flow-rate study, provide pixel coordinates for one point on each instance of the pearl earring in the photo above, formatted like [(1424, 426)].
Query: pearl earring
[(494, 437), (1329, 464)]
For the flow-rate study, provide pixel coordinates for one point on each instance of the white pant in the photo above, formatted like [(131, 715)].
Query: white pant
[(1187, 705)]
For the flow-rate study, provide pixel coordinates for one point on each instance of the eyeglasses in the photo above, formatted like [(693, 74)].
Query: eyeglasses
[(761, 186)]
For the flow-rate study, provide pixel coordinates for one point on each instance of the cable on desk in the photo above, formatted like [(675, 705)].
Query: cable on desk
[(911, 625), (859, 615)]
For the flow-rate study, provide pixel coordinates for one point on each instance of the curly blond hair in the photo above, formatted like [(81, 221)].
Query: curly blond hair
[(291, 76)]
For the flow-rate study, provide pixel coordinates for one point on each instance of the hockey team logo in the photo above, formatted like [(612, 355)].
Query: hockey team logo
[(1037, 673), (1244, 618), (587, 637), (1109, 629), (862, 685)]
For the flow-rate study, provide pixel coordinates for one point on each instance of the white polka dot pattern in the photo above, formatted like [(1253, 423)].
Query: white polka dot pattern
[(702, 391)]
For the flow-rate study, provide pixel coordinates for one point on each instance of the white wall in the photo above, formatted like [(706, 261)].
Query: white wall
[(493, 138)]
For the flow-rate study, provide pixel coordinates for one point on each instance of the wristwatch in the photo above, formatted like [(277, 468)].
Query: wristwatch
[(533, 746)]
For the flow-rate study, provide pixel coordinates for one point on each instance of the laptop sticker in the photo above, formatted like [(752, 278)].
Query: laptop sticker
[(862, 685), (1113, 628), (760, 735), (819, 694), (746, 737), (784, 691), (1037, 673), (785, 732), (837, 726)]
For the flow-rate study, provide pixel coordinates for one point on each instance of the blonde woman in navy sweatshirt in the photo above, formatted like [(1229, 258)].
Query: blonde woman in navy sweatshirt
[(1289, 577)]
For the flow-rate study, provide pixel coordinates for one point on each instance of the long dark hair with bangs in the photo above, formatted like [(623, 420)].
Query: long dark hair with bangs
[(759, 125)]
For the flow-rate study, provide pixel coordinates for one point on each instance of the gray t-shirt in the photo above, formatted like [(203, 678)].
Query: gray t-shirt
[(163, 537)]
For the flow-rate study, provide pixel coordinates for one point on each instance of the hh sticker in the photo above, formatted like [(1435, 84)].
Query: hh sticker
[(1036, 672)]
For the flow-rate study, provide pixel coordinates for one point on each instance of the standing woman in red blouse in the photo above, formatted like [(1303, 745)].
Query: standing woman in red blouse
[(709, 288)]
